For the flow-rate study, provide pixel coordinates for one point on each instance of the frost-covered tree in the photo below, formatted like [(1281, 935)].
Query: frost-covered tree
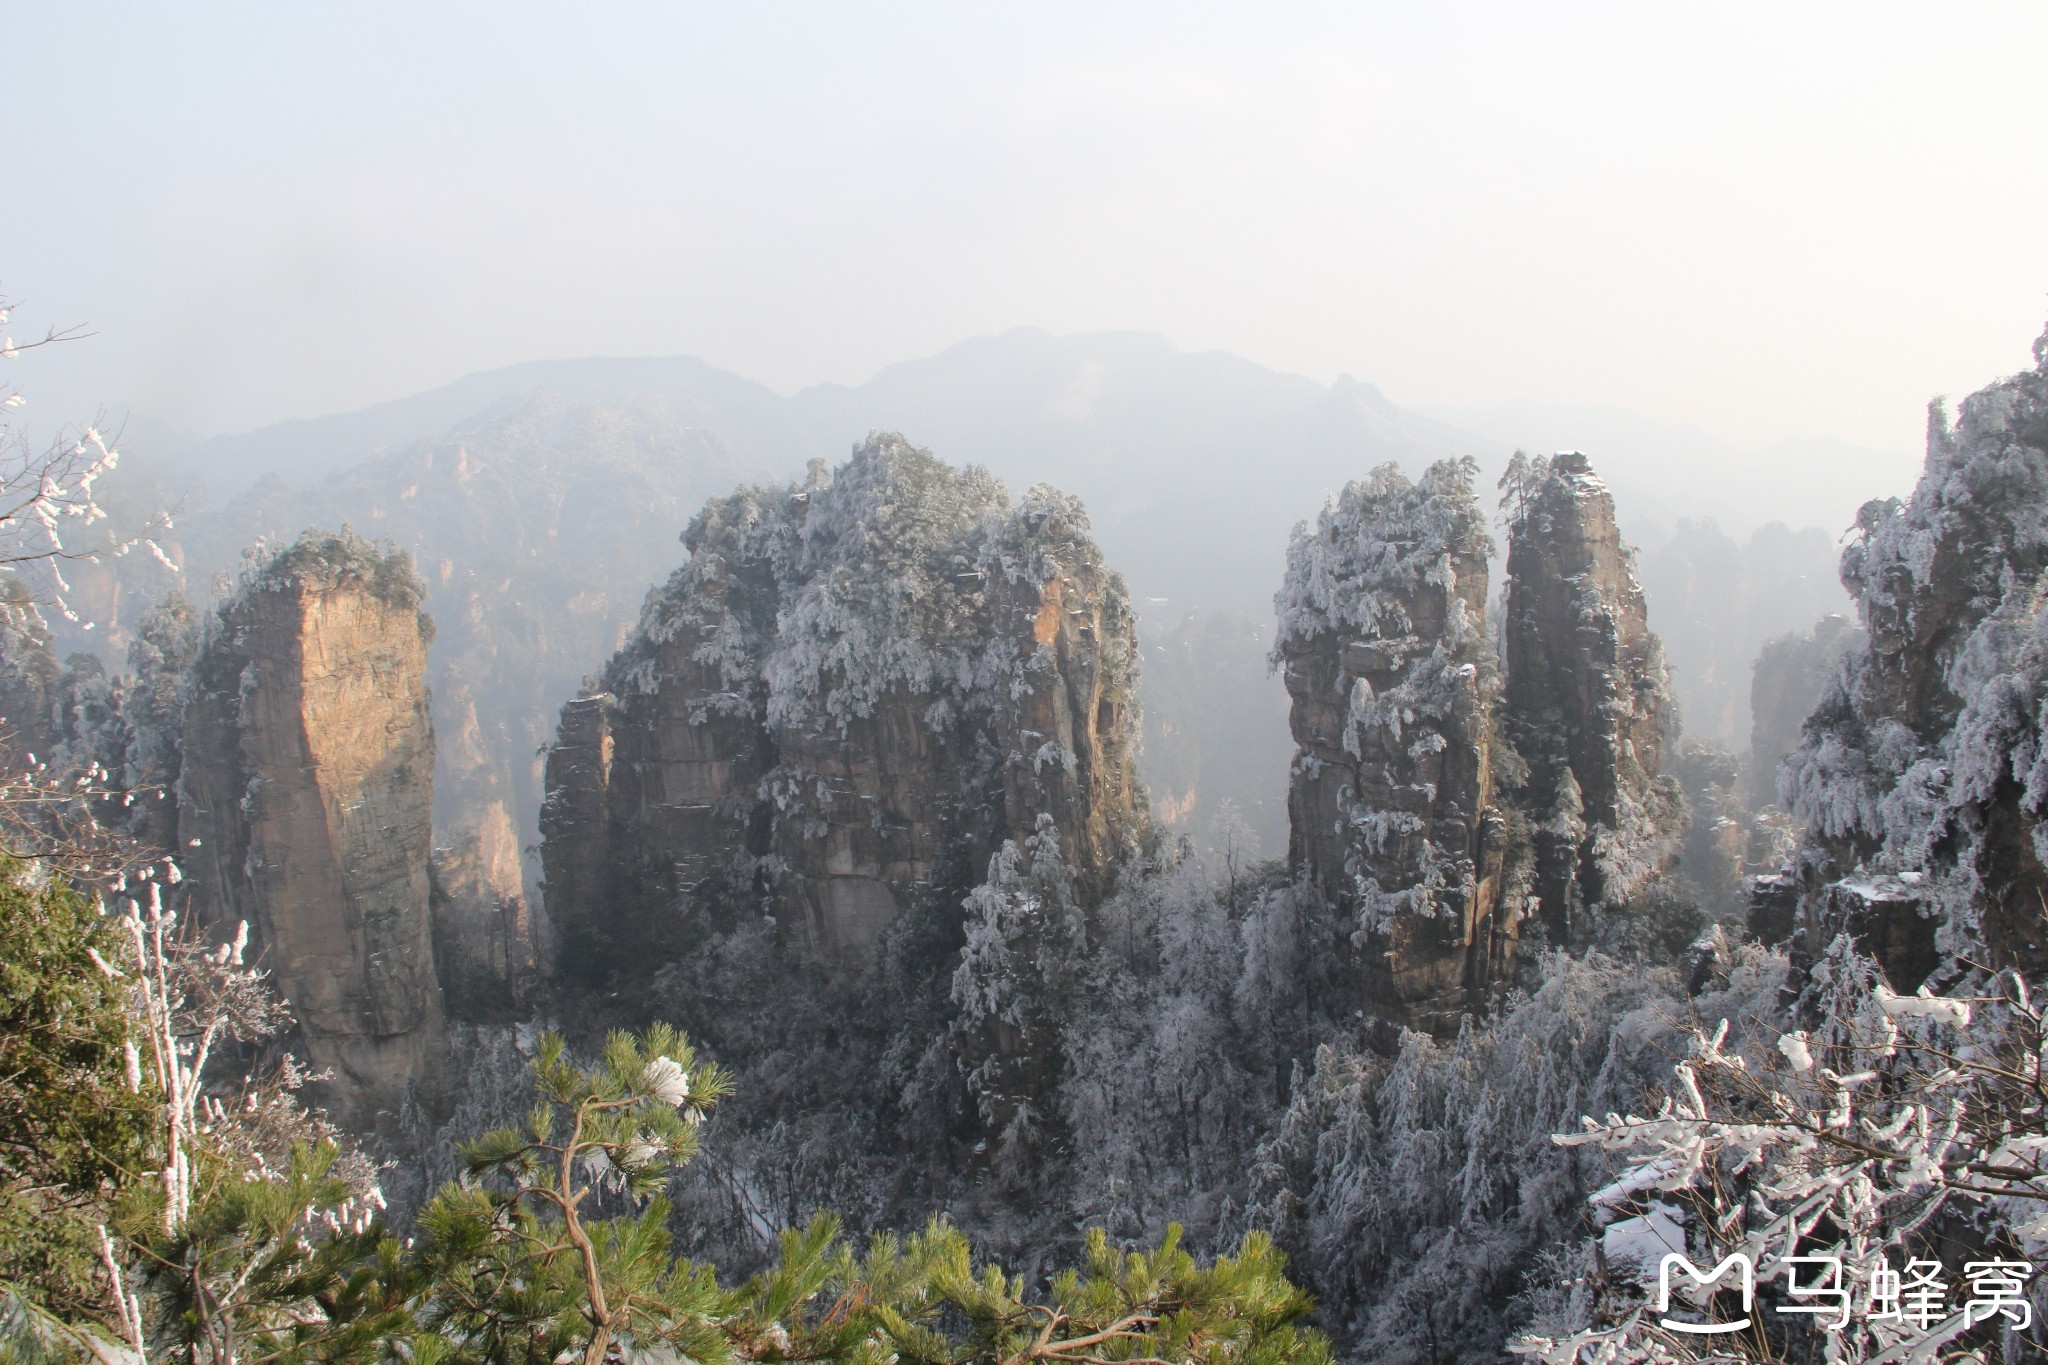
[(1025, 940), (1421, 1193), (65, 793), (51, 512), (1922, 756), (1898, 1133), (1173, 1046)]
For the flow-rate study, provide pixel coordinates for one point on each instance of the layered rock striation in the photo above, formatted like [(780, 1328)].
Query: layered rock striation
[(305, 802), (1391, 804), (1587, 692), (852, 693)]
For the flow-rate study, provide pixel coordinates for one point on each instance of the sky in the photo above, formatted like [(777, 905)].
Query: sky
[(1763, 221)]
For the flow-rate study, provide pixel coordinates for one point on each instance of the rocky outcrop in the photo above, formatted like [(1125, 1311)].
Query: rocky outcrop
[(1771, 911), (305, 809), (576, 843), (1442, 804), (490, 945), (852, 693), (487, 946), (1586, 695), (1923, 757), (1384, 650)]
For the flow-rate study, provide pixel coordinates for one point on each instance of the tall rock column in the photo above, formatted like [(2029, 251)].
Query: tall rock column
[(1919, 778), (1384, 649), (305, 808), (854, 691), (1586, 693)]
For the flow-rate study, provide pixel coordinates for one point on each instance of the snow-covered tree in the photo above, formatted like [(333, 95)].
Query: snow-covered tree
[(1899, 1134), (51, 512), (1025, 941), (1923, 756)]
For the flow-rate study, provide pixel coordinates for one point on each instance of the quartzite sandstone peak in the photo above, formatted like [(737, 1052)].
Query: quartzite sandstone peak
[(854, 690), (1586, 696), (1921, 777), (1384, 649), (305, 807)]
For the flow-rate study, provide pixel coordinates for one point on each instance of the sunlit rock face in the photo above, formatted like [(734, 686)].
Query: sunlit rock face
[(1391, 805), (1924, 758), (305, 799), (1586, 696), (838, 708)]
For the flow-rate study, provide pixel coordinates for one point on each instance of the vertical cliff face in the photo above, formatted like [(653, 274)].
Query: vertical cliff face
[(487, 946), (1922, 760), (1392, 679), (1586, 694), (305, 807), (1430, 798), (488, 943), (854, 690)]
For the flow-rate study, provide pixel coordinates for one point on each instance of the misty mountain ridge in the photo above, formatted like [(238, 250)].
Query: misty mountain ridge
[(304, 450), (1174, 452), (542, 501)]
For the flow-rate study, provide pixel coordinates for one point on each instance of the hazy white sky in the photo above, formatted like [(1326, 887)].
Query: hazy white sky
[(1767, 220)]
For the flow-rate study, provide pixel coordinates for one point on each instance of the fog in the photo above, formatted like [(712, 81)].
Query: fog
[(1764, 226)]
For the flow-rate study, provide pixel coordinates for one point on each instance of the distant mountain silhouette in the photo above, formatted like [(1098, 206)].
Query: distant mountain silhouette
[(1194, 466), (748, 417), (542, 500)]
